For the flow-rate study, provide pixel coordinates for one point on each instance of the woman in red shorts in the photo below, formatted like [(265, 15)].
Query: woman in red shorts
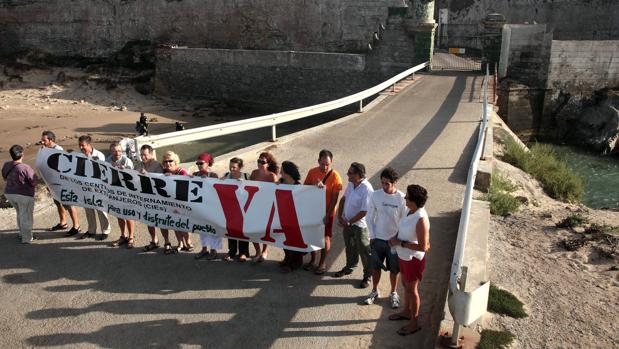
[(412, 243)]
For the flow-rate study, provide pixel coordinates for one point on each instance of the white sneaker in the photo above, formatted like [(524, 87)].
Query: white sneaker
[(371, 297), (394, 299)]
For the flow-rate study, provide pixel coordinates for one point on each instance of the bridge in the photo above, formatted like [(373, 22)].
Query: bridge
[(62, 292)]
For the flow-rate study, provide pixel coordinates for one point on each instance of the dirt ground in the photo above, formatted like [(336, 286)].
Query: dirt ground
[(79, 104), (572, 297)]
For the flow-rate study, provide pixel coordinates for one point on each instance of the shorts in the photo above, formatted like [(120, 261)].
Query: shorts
[(329, 227), (412, 270), (381, 251)]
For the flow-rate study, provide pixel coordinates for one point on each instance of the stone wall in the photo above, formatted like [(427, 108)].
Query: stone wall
[(567, 19), (99, 27), (275, 78), (578, 67)]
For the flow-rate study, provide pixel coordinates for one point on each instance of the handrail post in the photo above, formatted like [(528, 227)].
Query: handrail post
[(273, 133), (455, 333), (361, 106)]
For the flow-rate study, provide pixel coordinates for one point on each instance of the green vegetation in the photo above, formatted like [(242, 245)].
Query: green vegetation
[(495, 339), (503, 302), (501, 202), (542, 162), (574, 220)]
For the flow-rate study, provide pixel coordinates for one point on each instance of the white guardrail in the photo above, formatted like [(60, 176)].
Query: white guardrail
[(467, 307), (195, 134)]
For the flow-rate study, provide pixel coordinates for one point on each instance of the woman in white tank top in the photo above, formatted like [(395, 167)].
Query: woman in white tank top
[(411, 244)]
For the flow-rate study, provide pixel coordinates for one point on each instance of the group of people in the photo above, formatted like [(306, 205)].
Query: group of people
[(386, 229)]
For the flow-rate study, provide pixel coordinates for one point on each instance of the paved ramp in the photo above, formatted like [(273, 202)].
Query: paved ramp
[(63, 292)]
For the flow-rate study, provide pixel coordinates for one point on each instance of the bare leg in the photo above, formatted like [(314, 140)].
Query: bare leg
[(122, 224), (74, 218), (264, 251), (414, 305), (131, 228), (166, 236), (153, 234), (62, 213), (324, 253), (393, 277), (257, 248), (375, 278)]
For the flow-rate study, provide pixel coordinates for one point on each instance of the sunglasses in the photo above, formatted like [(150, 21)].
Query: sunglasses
[(168, 161), (200, 163), (351, 173), (262, 162)]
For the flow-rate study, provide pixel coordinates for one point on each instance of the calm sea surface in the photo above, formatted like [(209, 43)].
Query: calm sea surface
[(600, 174)]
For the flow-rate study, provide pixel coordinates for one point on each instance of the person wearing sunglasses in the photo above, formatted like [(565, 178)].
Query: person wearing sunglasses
[(170, 163), (412, 244), (352, 210), (234, 246), (204, 163), (266, 172)]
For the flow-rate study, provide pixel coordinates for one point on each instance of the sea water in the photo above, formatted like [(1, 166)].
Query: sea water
[(599, 173)]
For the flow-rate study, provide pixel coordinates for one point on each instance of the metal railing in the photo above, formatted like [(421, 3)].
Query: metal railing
[(272, 120), (467, 307)]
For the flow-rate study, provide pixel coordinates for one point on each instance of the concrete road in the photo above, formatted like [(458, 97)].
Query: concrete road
[(83, 293)]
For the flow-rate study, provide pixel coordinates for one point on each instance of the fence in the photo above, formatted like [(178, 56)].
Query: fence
[(271, 120)]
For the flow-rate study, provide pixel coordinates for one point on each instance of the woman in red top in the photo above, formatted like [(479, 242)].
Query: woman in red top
[(170, 164), (266, 172)]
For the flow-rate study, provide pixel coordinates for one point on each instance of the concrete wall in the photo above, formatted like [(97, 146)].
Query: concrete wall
[(568, 19), (583, 66), (100, 27), (277, 78), (525, 53)]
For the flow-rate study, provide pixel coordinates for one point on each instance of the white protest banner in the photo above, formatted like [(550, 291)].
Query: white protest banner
[(287, 216)]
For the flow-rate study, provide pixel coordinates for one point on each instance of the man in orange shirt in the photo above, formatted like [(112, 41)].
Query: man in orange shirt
[(324, 176)]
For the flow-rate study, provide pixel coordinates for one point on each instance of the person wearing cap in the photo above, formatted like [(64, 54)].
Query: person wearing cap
[(204, 163), (290, 175), (351, 211), (20, 182)]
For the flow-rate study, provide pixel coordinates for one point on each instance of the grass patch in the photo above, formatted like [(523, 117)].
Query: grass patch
[(495, 339), (502, 203), (574, 220), (505, 303), (542, 162)]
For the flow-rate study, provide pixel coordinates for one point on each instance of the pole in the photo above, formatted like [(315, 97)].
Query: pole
[(273, 133)]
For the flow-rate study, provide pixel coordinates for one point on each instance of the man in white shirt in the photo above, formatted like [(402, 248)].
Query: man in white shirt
[(352, 210), (85, 144), (387, 206)]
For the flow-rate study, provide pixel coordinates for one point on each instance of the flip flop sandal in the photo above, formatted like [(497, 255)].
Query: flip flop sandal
[(130, 244), (59, 227), (308, 266), (121, 241), (167, 249), (398, 317), (187, 249), (150, 247), (404, 331), (320, 271)]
